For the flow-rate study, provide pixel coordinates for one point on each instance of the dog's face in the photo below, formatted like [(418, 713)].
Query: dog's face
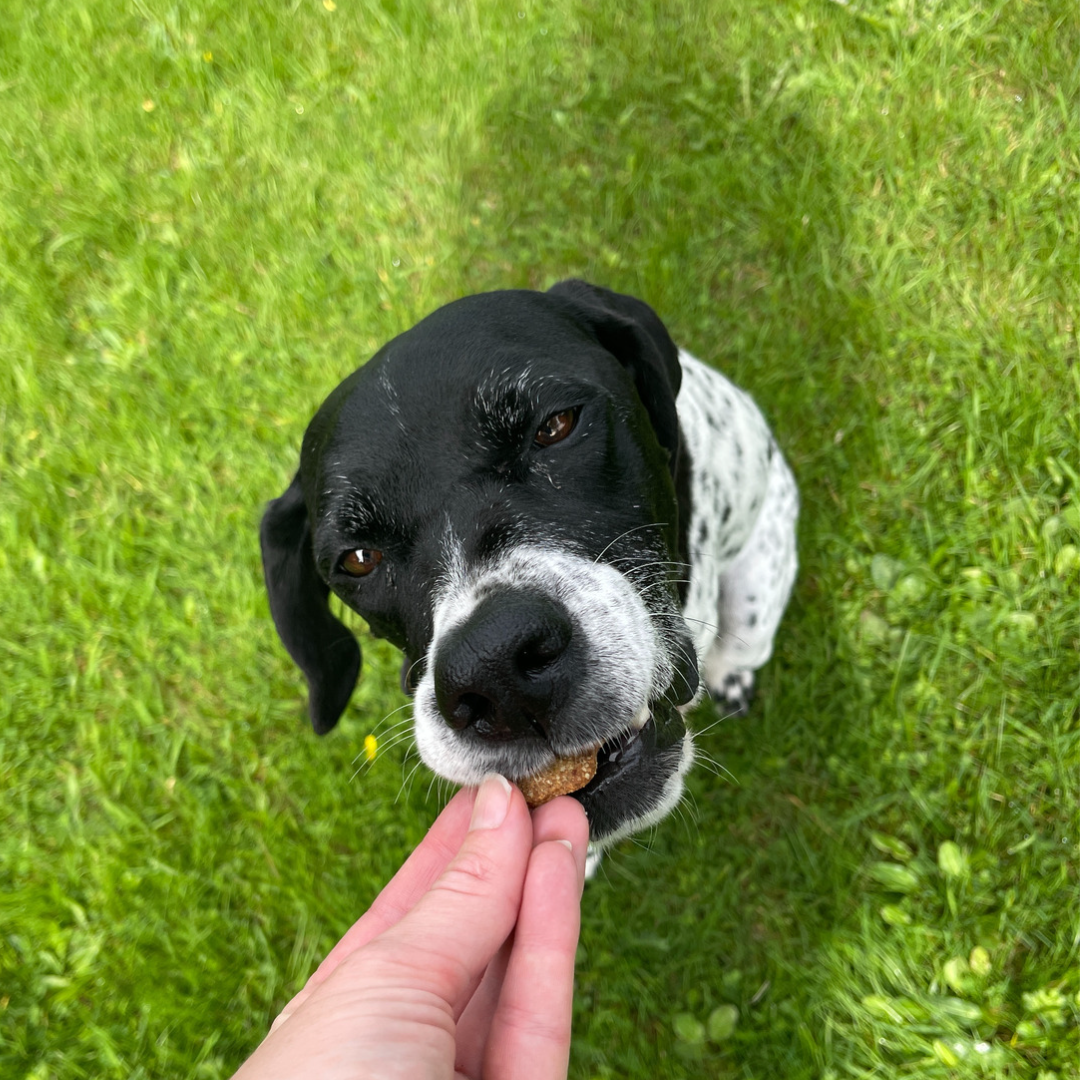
[(494, 492)]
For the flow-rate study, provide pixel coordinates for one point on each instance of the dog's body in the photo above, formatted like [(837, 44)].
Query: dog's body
[(559, 518)]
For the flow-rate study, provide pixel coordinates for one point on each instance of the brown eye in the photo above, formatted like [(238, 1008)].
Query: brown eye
[(556, 427), (361, 561)]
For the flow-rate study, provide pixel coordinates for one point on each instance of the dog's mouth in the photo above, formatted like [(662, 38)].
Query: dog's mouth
[(618, 752), (624, 759)]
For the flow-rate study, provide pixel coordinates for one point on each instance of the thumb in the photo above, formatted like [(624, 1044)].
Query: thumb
[(445, 943)]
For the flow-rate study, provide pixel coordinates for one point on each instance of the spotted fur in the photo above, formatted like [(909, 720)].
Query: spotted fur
[(742, 532)]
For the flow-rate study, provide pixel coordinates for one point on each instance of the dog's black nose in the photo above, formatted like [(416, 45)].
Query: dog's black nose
[(505, 669)]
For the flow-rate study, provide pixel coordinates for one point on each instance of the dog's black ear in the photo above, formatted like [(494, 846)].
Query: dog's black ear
[(632, 332), (323, 648)]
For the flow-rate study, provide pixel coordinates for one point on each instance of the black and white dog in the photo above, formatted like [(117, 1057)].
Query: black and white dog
[(561, 519)]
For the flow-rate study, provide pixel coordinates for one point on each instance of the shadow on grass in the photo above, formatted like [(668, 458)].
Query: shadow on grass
[(728, 216), (696, 178)]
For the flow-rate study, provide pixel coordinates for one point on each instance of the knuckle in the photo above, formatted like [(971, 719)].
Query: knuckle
[(472, 873), (388, 910), (533, 1026)]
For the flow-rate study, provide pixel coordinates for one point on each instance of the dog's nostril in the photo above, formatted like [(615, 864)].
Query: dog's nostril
[(535, 656), (469, 709), (544, 645)]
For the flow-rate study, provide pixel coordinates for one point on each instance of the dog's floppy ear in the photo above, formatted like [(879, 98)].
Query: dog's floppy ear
[(632, 332), (324, 650)]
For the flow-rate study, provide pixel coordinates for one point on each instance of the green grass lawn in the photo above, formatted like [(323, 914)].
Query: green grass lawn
[(865, 212)]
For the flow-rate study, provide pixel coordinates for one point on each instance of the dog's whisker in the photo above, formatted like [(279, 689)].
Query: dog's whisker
[(700, 732), (405, 783), (657, 564), (636, 528), (385, 738), (662, 584), (657, 560), (688, 816), (394, 712), (404, 722), (702, 622), (714, 766), (383, 751), (394, 735), (651, 841), (690, 659), (644, 577), (432, 783), (678, 618), (707, 764), (385, 748), (402, 737), (412, 667)]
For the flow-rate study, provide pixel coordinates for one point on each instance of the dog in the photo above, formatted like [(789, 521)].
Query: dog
[(565, 523)]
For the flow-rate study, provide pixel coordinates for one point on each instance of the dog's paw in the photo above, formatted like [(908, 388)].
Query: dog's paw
[(735, 692)]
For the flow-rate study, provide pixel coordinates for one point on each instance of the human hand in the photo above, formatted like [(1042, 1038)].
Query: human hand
[(464, 964)]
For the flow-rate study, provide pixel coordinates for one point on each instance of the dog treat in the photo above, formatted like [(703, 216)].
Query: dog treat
[(562, 776)]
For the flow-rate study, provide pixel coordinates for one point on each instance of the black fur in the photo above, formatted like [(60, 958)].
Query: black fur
[(435, 437), (389, 474)]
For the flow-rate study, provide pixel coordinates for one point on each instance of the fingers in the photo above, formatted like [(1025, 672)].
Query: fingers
[(416, 876), (447, 949), (561, 819), (475, 1022), (529, 1037), (444, 944)]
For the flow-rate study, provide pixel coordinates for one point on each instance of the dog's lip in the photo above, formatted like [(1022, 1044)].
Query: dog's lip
[(611, 750), (624, 750), (620, 757), (614, 746)]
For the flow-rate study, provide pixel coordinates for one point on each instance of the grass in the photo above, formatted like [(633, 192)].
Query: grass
[(865, 212)]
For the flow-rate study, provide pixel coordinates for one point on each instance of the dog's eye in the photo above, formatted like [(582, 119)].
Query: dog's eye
[(361, 561), (556, 427)]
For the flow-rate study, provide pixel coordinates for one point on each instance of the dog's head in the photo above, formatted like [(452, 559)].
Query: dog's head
[(495, 493)]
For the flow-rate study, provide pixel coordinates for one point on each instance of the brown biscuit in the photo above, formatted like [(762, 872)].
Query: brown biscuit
[(561, 777)]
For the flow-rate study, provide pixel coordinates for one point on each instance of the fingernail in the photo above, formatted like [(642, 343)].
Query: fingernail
[(492, 803), (566, 844)]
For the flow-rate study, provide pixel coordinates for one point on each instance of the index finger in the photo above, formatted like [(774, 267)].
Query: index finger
[(417, 874)]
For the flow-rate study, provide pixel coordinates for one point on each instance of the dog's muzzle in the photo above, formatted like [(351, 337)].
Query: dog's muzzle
[(544, 655)]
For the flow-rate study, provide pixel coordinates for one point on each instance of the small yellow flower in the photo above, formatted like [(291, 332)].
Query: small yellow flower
[(371, 747), (329, 5), (148, 105), (208, 56)]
